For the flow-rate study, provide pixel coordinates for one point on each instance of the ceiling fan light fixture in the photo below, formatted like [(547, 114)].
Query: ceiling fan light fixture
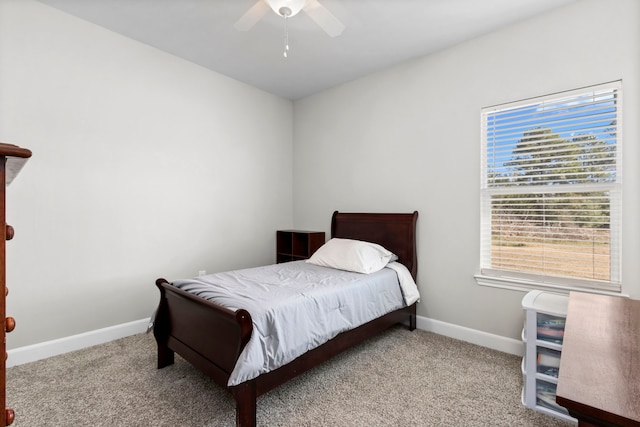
[(285, 11), (286, 8)]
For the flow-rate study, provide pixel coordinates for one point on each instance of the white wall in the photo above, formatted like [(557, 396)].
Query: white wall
[(144, 165), (408, 138)]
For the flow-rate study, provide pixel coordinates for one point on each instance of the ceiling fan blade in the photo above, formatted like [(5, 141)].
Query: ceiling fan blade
[(325, 19), (252, 16)]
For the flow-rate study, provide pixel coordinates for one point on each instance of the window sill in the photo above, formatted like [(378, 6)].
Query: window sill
[(516, 284)]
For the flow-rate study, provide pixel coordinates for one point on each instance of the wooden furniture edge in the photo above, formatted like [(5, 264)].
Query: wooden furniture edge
[(10, 150), (12, 159)]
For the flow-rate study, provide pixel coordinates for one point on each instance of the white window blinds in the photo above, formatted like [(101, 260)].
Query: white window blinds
[(551, 189)]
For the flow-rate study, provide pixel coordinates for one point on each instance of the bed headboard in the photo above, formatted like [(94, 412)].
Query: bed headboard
[(394, 231)]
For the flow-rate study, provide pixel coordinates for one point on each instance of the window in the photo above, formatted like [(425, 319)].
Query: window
[(551, 191)]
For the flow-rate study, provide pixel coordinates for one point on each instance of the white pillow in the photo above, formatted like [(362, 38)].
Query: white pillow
[(352, 255)]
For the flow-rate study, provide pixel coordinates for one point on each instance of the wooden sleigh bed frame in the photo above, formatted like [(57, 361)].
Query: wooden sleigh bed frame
[(211, 337)]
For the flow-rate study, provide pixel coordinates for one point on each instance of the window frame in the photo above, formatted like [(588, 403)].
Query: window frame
[(493, 277)]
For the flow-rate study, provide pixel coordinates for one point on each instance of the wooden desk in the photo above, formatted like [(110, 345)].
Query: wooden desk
[(599, 380)]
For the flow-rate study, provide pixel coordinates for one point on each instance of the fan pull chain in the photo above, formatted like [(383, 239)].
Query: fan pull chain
[(286, 36)]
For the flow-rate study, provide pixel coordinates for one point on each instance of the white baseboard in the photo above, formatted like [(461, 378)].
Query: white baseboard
[(485, 339), (34, 352), (31, 353)]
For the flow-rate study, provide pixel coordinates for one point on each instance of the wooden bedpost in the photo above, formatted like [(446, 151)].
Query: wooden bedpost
[(412, 317), (166, 356), (245, 395)]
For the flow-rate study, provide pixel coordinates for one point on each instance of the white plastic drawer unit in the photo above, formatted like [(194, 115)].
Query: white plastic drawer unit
[(543, 333)]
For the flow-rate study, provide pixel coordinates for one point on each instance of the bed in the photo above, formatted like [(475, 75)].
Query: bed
[(212, 337)]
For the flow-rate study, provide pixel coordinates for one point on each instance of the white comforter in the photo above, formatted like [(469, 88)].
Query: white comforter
[(298, 306)]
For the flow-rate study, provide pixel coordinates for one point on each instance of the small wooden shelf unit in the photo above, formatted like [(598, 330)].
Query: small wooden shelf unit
[(294, 245), (12, 158)]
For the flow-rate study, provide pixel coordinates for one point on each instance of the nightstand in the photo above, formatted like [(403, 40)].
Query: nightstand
[(294, 245)]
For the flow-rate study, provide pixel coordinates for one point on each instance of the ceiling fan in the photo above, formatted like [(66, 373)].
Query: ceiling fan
[(288, 8)]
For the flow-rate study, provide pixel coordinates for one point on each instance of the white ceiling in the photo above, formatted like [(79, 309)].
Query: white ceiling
[(378, 34)]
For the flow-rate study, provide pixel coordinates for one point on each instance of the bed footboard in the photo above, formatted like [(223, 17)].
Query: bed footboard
[(177, 328)]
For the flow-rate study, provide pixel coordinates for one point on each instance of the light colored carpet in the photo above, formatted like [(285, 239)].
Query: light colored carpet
[(398, 378)]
